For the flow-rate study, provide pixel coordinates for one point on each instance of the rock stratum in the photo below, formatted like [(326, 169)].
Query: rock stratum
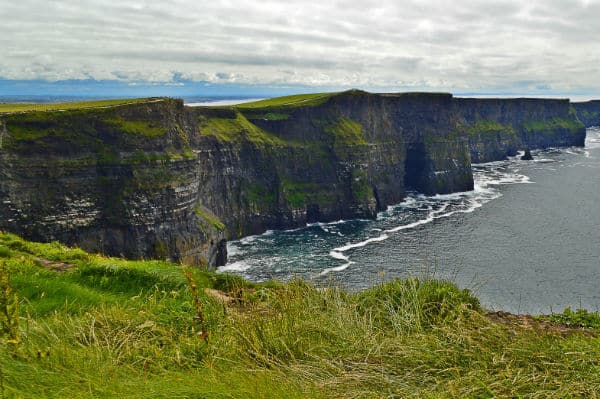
[(157, 179)]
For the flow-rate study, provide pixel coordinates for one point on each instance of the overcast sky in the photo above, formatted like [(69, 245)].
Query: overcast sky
[(458, 46)]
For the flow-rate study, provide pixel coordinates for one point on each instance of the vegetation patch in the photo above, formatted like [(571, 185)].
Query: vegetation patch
[(261, 195), (110, 328), (298, 100), (361, 188), (483, 126), (269, 116), (34, 107), (589, 115), (236, 129), (210, 218), (553, 124), (142, 127), (578, 318), (346, 132), (299, 193)]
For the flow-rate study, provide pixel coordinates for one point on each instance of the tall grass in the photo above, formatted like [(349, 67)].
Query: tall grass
[(108, 328)]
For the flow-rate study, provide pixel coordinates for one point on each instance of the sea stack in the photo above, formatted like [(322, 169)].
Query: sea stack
[(527, 156)]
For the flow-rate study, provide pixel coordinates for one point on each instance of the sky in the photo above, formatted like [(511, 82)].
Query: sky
[(231, 47)]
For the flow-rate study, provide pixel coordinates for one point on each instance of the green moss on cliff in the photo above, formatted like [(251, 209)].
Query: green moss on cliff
[(302, 193), (138, 127), (296, 194), (236, 129), (552, 124), (345, 131), (261, 195), (361, 188), (33, 126), (209, 218), (589, 115), (151, 178), (484, 126), (87, 130)]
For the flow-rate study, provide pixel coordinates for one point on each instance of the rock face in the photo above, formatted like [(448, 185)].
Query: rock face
[(160, 180), (122, 181), (588, 112), (498, 128), (527, 156)]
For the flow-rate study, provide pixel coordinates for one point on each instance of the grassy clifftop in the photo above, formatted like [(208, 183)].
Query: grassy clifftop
[(84, 326), (37, 107), (298, 100)]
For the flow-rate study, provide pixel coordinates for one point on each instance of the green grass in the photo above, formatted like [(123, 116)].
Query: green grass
[(298, 100), (577, 318), (236, 129), (298, 193), (489, 126), (346, 132), (111, 328), (209, 218), (139, 127), (27, 107), (554, 123)]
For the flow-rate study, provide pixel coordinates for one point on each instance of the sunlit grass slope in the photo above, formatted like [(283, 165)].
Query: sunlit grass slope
[(297, 100), (25, 107), (95, 327)]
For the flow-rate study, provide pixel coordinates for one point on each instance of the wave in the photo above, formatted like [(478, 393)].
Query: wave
[(239, 266), (487, 177)]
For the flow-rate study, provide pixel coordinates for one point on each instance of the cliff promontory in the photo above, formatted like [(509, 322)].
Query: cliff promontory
[(156, 179)]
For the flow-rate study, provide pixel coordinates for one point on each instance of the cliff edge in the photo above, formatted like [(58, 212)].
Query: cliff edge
[(156, 179)]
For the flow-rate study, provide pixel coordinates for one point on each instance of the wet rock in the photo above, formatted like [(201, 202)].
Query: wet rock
[(527, 156)]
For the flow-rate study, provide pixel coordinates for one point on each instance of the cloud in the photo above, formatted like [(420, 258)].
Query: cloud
[(436, 45)]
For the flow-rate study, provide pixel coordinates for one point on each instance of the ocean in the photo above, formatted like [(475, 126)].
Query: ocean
[(525, 240)]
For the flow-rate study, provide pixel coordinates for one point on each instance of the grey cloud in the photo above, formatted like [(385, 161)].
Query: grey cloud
[(372, 43)]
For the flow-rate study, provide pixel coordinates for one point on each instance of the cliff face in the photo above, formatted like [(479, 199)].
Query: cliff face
[(161, 180), (122, 181), (497, 128), (588, 112)]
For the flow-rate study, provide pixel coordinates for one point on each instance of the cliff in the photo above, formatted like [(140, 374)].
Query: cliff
[(588, 112), (121, 181), (160, 180), (497, 128)]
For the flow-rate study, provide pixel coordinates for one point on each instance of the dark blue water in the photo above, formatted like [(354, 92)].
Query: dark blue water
[(527, 239)]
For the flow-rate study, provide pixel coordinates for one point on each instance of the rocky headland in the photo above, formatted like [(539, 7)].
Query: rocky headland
[(157, 179)]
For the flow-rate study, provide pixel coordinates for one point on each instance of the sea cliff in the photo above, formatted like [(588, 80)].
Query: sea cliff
[(156, 179), (588, 112)]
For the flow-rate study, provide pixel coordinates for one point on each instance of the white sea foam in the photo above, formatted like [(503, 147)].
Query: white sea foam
[(233, 249), (487, 177), (340, 256), (248, 240), (239, 266), (362, 243), (336, 269)]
